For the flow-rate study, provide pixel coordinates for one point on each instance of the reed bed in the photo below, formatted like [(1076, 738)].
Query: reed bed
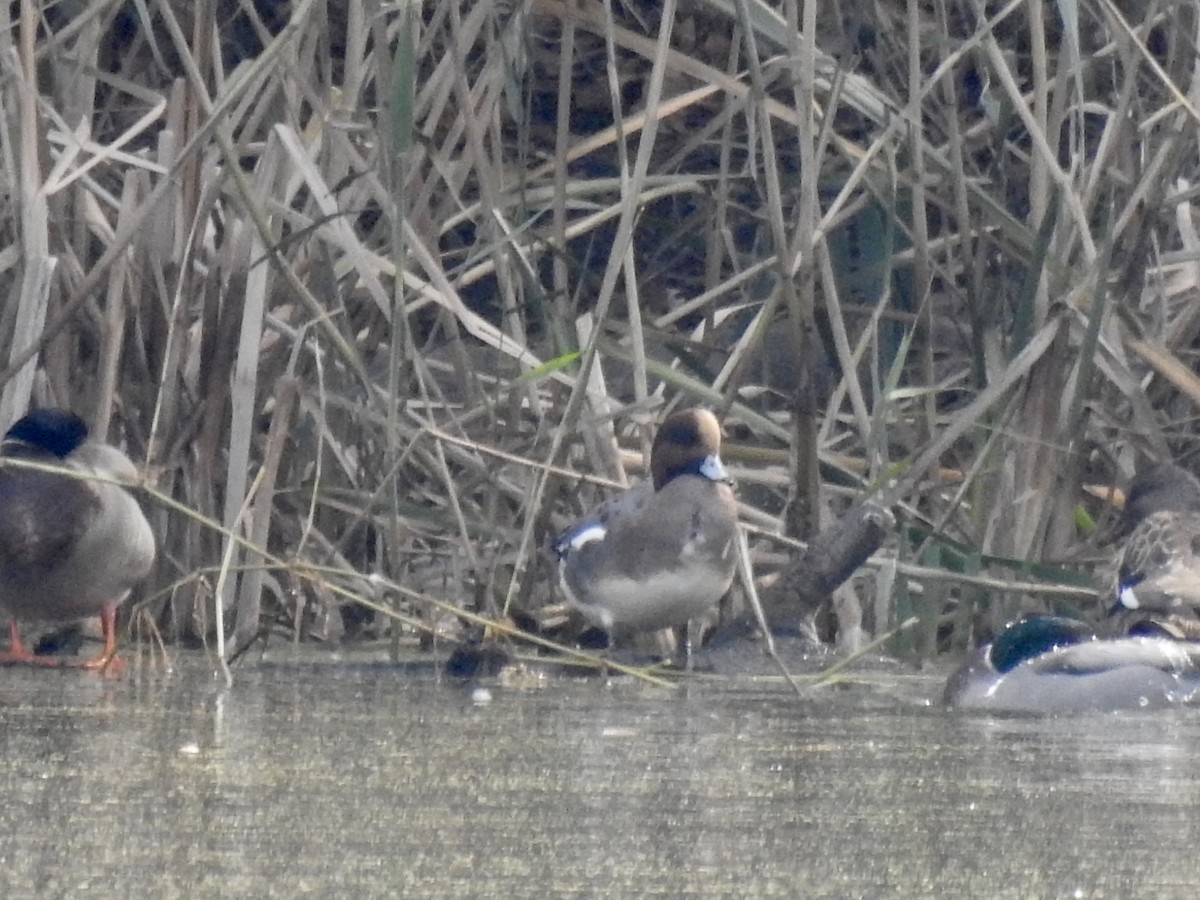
[(385, 294)]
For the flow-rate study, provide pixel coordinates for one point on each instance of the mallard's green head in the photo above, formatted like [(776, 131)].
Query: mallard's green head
[(1032, 636), (54, 431)]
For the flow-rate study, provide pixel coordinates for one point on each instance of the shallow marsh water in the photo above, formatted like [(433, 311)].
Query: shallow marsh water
[(345, 778)]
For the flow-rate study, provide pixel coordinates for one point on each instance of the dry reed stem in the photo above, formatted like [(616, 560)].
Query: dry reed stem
[(195, 223)]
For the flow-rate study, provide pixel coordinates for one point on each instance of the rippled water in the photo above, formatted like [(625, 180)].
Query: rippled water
[(353, 779)]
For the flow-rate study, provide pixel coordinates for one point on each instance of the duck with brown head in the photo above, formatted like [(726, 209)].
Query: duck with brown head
[(70, 547), (661, 561)]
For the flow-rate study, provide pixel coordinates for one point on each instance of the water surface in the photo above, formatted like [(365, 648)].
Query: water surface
[(346, 778)]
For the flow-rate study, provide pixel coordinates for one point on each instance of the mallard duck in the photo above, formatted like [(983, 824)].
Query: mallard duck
[(1051, 664), (70, 547), (658, 556), (1156, 570)]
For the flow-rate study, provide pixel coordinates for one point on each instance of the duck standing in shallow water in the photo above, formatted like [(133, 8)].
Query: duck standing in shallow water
[(653, 560), (1051, 664), (70, 547), (1157, 569)]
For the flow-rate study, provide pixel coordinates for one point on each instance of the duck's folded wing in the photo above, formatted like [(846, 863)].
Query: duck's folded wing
[(1091, 657), (43, 517), (594, 524), (1159, 568)]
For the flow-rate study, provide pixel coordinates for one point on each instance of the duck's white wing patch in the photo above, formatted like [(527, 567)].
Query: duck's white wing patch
[(1128, 598), (585, 534)]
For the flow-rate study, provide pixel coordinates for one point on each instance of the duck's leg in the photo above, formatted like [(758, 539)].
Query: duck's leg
[(683, 645), (18, 653), (107, 662)]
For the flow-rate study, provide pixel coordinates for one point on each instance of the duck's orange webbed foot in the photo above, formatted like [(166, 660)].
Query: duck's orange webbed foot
[(107, 663), (108, 666), (18, 654)]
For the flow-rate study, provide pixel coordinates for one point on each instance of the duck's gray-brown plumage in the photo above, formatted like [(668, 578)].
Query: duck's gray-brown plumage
[(657, 558), (1157, 568), (70, 548)]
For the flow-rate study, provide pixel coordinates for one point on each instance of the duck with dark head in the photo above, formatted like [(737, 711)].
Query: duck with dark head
[(71, 546), (1148, 655), (1155, 578), (1050, 664)]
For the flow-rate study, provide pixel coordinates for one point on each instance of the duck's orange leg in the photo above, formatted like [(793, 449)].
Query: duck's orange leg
[(107, 662), (18, 653)]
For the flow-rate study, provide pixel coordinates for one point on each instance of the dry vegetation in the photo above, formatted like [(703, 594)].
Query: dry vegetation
[(946, 249)]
